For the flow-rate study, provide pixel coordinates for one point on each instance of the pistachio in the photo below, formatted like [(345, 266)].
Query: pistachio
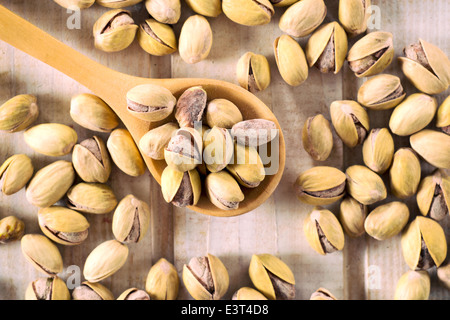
[(387, 220), (443, 274), (165, 11), (105, 260), (246, 166), (378, 150), (353, 15), (42, 254), (11, 229), (51, 288), (152, 143), (433, 195), (134, 294), (413, 285), (303, 17), (253, 72), (247, 293), (282, 3), (51, 139), (317, 137), (352, 215), (351, 122), (322, 294), (327, 48), (183, 153), (95, 198), (223, 190), (195, 40), (114, 31), (63, 225), (222, 113), (218, 149), (405, 173), (131, 220), (320, 185), (15, 173), (426, 66), (208, 8), (162, 281), (191, 106), (423, 244), (381, 92), (371, 54), (433, 146), (443, 116), (92, 291), (124, 153), (291, 60), (254, 132), (117, 3), (248, 12), (156, 38), (18, 113), (50, 184), (364, 185), (73, 4), (206, 278), (91, 112)]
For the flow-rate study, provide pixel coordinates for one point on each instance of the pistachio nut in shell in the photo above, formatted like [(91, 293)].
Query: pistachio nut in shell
[(134, 294), (181, 188), (327, 48), (51, 288), (95, 198), (364, 185), (184, 151), (196, 39), (433, 146), (433, 195), (131, 219), (323, 231), (371, 54), (254, 132), (350, 120), (352, 215), (387, 220), (317, 137), (378, 150), (303, 17), (63, 226), (191, 106), (11, 229), (381, 92), (282, 3), (320, 185), (248, 12), (218, 149), (246, 166), (50, 184), (92, 291), (105, 260), (443, 116), (51, 139), (117, 3), (162, 281), (322, 294), (405, 173), (15, 173), (443, 274), (18, 113), (208, 8), (156, 38), (413, 285), (247, 293), (152, 143), (291, 60), (165, 11), (426, 66), (43, 254), (114, 31), (253, 72), (222, 113), (353, 15), (75, 4), (223, 190), (423, 244), (206, 278), (124, 153)]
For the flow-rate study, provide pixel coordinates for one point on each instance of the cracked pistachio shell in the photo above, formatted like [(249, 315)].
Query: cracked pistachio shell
[(181, 188), (162, 281), (443, 274), (164, 11), (353, 15), (63, 226), (381, 92), (152, 143), (105, 260), (196, 39), (51, 139), (364, 185), (322, 294), (134, 294), (218, 149), (253, 72), (92, 291), (43, 254), (150, 102), (95, 198), (413, 285), (291, 60), (303, 17), (433, 78), (208, 8), (387, 220), (11, 229), (443, 116), (351, 121), (206, 278), (15, 173), (371, 54), (156, 38), (405, 173), (223, 190), (247, 293), (317, 137), (183, 153), (114, 31), (378, 150), (246, 166), (282, 3), (413, 114), (254, 132), (124, 153), (74, 4), (222, 113), (191, 106), (272, 277), (51, 288), (323, 231), (433, 195), (117, 3), (327, 48), (352, 215), (433, 146), (248, 12), (50, 184), (320, 185), (18, 113)]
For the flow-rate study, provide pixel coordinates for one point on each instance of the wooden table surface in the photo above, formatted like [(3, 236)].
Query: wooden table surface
[(365, 269)]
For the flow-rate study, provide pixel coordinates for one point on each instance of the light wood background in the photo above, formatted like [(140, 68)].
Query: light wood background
[(365, 269)]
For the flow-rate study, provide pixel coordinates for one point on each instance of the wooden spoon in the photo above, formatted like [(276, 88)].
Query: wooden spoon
[(112, 86)]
